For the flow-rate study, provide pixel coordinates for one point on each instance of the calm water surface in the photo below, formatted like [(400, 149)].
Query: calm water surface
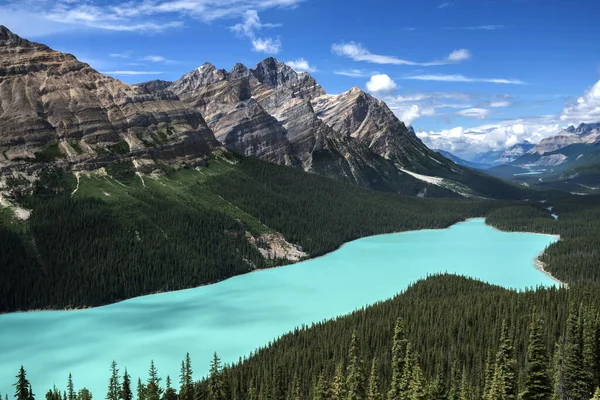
[(240, 314)]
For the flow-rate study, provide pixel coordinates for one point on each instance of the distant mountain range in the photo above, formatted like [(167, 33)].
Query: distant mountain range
[(58, 110), (493, 158), (462, 161)]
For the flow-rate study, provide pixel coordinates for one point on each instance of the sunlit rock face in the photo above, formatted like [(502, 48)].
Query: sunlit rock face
[(49, 99)]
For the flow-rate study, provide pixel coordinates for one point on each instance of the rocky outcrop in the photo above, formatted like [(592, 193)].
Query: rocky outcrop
[(54, 107)]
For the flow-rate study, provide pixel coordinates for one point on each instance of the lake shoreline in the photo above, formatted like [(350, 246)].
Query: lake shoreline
[(537, 264)]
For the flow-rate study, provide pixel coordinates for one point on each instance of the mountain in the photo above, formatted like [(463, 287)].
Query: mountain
[(570, 147), (498, 157), (463, 162), (279, 115), (55, 108)]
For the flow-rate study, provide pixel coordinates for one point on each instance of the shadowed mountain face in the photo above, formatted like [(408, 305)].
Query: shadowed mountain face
[(53, 107)]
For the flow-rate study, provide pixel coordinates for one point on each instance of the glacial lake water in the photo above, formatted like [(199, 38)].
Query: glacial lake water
[(240, 314)]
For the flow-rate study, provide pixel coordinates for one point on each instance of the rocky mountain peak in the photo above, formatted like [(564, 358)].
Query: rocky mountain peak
[(239, 71), (274, 73)]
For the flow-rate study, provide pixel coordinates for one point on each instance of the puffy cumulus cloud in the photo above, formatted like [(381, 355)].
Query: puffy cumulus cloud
[(266, 45), (479, 113), (357, 52), (491, 137), (301, 65), (409, 113), (381, 83), (585, 109)]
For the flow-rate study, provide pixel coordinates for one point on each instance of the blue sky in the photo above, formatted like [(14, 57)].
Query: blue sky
[(470, 75)]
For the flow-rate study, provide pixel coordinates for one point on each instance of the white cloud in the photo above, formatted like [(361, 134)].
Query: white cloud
[(249, 28), (357, 52), (132, 73), (266, 45), (34, 18), (411, 112), (479, 113), (491, 137), (119, 55), (445, 4), (479, 28), (462, 78), (498, 104), (354, 73), (381, 83), (585, 109), (459, 55), (301, 65), (159, 59)]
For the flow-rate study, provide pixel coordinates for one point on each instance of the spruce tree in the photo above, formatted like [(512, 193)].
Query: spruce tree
[(22, 387), (573, 358), (338, 385), (537, 383), (558, 376), (416, 387), (186, 388), (436, 389), (84, 394), (398, 358), (596, 394), (296, 390), (465, 390), (153, 390), (589, 351), (170, 393), (141, 390), (125, 392), (321, 390), (70, 388), (114, 386), (277, 384), (252, 394), (374, 387), (355, 381), (216, 385), (504, 383), (488, 374), (407, 376)]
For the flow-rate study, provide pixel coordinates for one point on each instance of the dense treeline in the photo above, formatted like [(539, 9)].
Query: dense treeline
[(576, 257), (91, 248)]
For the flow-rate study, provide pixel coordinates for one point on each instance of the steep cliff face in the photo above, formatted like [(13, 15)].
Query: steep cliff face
[(237, 120), (55, 107)]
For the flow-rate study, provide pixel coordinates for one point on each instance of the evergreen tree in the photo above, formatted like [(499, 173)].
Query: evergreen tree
[(125, 393), (537, 385), (22, 387), (374, 387), (321, 391), (407, 376), (398, 358), (252, 394), (170, 393), (153, 390), (70, 388), (596, 394), (141, 390), (454, 378), (589, 351), (465, 390), (186, 388), (84, 394), (436, 389), (278, 384), (216, 385), (338, 385), (296, 390), (355, 381), (504, 383), (573, 358), (559, 370), (416, 387), (114, 386), (488, 374)]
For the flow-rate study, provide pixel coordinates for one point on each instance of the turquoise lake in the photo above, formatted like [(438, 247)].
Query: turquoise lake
[(238, 315)]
